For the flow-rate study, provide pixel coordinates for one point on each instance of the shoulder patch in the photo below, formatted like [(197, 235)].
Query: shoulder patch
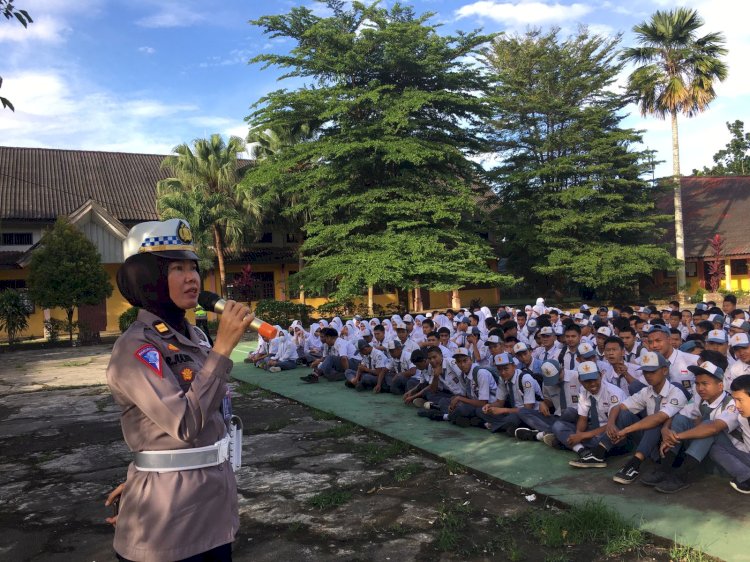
[(731, 408), (614, 400), (161, 327), (674, 402), (150, 356), (527, 384), (171, 347)]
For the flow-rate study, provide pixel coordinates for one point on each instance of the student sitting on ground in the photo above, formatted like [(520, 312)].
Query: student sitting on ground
[(400, 368), (286, 356), (624, 375), (444, 380), (371, 371), (740, 344), (677, 434), (313, 349), (480, 388), (260, 353), (419, 383), (536, 423), (731, 450), (338, 356), (516, 390), (660, 401), (583, 431)]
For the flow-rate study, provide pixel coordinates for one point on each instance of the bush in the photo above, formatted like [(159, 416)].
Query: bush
[(127, 318), (14, 315), (54, 328), (698, 296), (335, 308), (283, 312)]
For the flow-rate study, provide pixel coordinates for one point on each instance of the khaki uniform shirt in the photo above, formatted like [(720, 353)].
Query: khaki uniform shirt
[(170, 389)]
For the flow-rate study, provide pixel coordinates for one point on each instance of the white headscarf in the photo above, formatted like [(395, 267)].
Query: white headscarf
[(538, 308), (337, 324)]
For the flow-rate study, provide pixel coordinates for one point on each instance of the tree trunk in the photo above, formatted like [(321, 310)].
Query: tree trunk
[(455, 300), (370, 309), (219, 247), (417, 298), (301, 267), (678, 226), (69, 312)]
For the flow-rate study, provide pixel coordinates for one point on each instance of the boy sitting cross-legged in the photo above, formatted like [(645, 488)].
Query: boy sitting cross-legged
[(659, 401)]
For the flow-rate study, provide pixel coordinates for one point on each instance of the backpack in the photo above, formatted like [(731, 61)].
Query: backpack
[(492, 370), (537, 377)]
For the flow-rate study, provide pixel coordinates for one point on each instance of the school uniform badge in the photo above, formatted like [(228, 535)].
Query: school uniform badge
[(186, 374), (171, 347), (150, 356)]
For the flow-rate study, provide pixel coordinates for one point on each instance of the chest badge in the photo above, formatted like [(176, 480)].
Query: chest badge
[(187, 374), (171, 347), (161, 327)]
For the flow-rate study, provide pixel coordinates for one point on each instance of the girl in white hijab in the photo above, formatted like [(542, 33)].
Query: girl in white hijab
[(538, 308), (390, 333), (313, 346), (285, 357), (337, 324)]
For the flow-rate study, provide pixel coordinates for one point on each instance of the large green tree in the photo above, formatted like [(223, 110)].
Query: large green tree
[(386, 180), (573, 206), (66, 271), (676, 73), (203, 190), (734, 158)]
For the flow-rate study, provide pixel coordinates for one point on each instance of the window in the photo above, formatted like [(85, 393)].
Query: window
[(17, 239), (291, 238), (20, 286), (739, 267), (262, 288), (691, 269), (266, 238)]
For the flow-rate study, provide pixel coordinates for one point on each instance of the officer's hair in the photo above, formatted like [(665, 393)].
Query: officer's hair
[(428, 322), (379, 328), (434, 349), (741, 383), (730, 298), (716, 357), (706, 325), (573, 328), (614, 339), (443, 330)]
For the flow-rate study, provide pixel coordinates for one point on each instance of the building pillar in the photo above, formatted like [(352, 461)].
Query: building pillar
[(728, 274)]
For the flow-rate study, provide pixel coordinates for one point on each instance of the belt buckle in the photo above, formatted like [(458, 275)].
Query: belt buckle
[(223, 449)]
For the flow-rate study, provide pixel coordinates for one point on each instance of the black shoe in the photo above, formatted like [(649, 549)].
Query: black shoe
[(430, 414), (462, 421), (349, 384), (587, 459), (672, 483), (311, 379), (628, 473), (655, 476), (526, 434), (510, 430), (360, 387), (742, 487)]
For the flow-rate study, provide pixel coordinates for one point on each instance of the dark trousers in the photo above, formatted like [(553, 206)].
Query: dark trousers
[(221, 553)]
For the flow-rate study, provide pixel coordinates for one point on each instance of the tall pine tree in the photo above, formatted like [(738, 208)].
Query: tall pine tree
[(573, 204), (385, 180)]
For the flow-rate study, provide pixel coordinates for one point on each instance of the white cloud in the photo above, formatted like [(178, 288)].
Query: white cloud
[(523, 13), (45, 28), (146, 50), (173, 15)]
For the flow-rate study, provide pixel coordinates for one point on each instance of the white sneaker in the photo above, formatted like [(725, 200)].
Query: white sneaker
[(274, 369)]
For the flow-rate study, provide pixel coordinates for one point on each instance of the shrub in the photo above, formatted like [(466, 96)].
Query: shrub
[(283, 312), (54, 327), (335, 308), (698, 296), (14, 315), (127, 318)]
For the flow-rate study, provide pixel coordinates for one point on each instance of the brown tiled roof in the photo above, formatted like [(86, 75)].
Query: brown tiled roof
[(713, 205), (42, 183), (8, 260)]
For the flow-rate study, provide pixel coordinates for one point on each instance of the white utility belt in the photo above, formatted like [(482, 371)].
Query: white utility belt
[(227, 449)]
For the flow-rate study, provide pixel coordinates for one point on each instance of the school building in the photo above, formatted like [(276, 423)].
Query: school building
[(710, 206), (105, 194)]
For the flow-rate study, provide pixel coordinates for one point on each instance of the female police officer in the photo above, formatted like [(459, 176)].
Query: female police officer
[(180, 496)]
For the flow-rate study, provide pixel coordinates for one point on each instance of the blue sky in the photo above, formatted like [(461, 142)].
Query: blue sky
[(146, 75)]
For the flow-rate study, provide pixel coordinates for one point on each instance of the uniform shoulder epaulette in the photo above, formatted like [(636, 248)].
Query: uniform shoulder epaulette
[(160, 327)]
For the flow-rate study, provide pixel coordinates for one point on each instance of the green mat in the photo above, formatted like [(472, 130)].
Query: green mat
[(708, 515)]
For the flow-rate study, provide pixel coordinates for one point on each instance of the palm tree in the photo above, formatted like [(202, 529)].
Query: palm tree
[(203, 191), (676, 73)]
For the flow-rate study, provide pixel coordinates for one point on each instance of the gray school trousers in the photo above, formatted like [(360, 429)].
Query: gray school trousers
[(730, 458), (696, 448), (536, 420), (645, 442)]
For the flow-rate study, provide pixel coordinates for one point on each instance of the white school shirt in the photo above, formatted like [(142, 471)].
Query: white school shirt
[(552, 353), (738, 369), (451, 380), (484, 353), (408, 347), (609, 396), (671, 400), (621, 382), (528, 396), (401, 364), (417, 335), (634, 356), (692, 408), (735, 421), (342, 348), (679, 362), (286, 350), (484, 388), (375, 360), (459, 338)]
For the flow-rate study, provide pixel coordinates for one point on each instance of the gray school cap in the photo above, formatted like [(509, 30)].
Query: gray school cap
[(652, 361), (361, 344), (551, 372)]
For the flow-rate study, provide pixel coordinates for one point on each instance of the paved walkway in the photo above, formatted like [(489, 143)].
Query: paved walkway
[(709, 515)]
